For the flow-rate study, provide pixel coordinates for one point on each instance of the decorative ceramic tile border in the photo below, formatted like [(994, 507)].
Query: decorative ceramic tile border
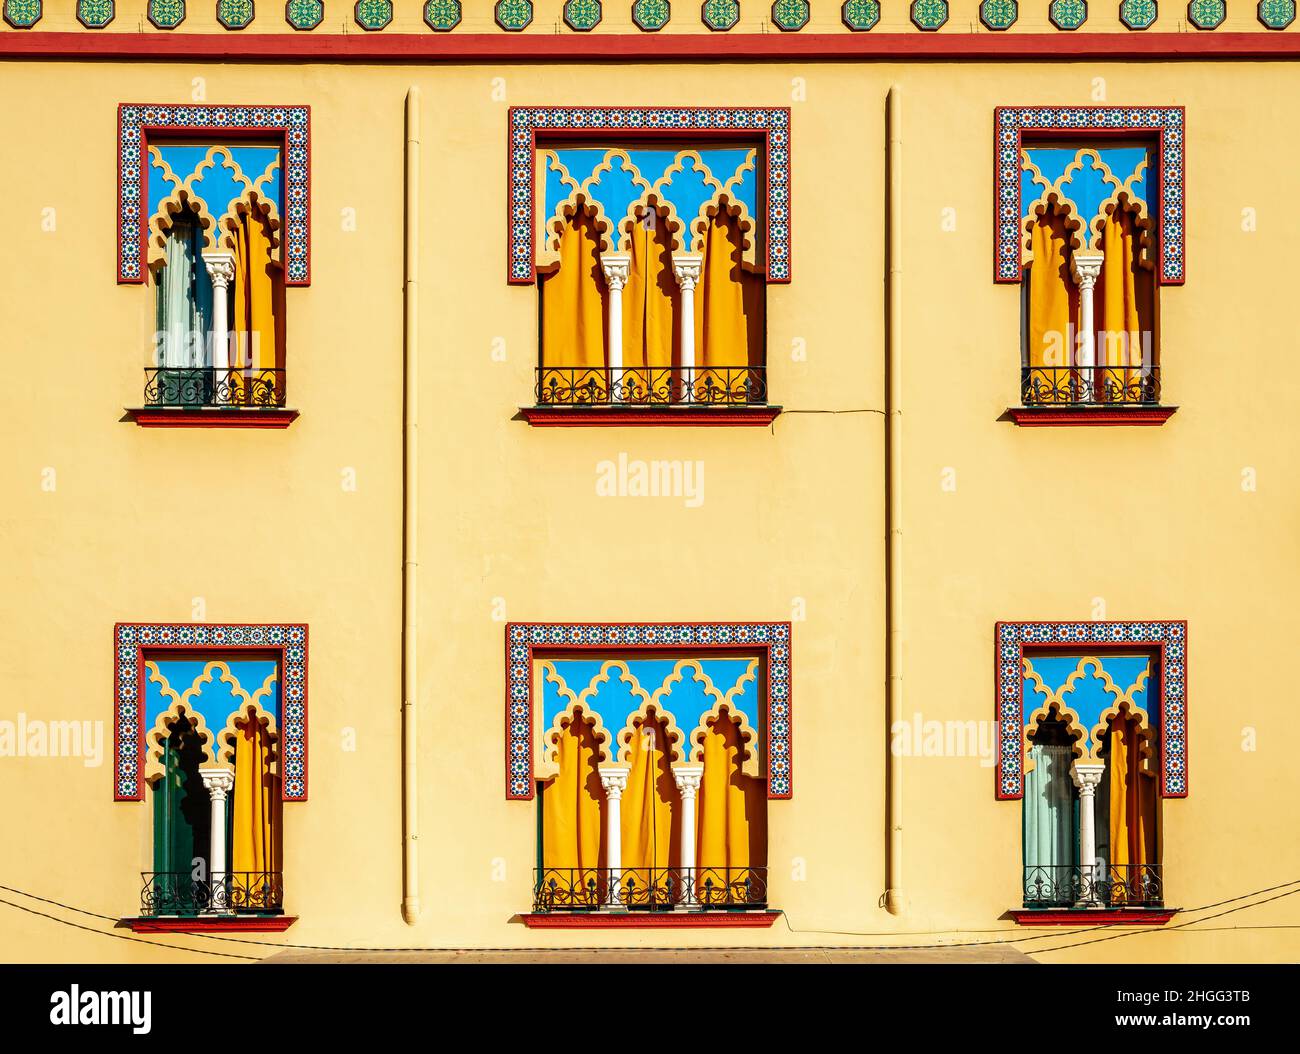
[(524, 640), (1013, 123), (1168, 639), (137, 123), (528, 123), (133, 640)]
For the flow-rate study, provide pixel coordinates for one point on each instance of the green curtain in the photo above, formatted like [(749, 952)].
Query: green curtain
[(1050, 833), (184, 298), (182, 818)]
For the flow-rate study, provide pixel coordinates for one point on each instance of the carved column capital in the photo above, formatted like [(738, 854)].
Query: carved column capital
[(217, 782), (617, 267), (221, 268), (614, 779), (688, 779), (1087, 777), (1086, 268), (687, 266)]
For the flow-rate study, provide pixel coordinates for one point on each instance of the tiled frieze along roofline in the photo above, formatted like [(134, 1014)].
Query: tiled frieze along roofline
[(597, 30), (601, 48), (728, 23)]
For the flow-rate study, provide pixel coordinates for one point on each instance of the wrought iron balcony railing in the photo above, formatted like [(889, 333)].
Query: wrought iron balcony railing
[(651, 386), (1105, 886), (179, 893), (200, 386), (649, 888), (1089, 386)]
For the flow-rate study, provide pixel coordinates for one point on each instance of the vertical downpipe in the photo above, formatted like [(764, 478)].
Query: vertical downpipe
[(894, 511), (410, 515)]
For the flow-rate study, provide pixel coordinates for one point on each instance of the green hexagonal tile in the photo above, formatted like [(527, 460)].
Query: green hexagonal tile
[(22, 14), (1207, 14), (1068, 14), (720, 14), (929, 14), (860, 15), (95, 14), (442, 16), (514, 15), (1276, 14), (582, 15), (1138, 14), (166, 14), (790, 15), (371, 15), (304, 14), (651, 15), (999, 14), (235, 14)]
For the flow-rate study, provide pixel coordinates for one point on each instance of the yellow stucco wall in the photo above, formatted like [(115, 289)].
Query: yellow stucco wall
[(144, 523)]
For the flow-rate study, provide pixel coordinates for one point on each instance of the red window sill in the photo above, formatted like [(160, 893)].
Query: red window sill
[(1093, 916), (213, 924), (650, 920), (210, 417), (621, 417), (1057, 416)]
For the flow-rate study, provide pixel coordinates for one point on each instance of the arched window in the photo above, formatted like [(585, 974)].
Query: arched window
[(651, 287), (1088, 288), (216, 795), (216, 260), (637, 813), (1091, 807)]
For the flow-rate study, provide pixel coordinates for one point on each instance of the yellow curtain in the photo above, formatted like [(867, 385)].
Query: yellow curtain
[(732, 808), (1125, 306), (574, 308), (255, 823), (650, 311), (651, 805), (573, 807), (256, 313), (728, 312), (1132, 804), (1053, 309)]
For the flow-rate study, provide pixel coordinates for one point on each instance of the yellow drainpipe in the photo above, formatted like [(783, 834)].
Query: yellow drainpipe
[(894, 512), (410, 513)]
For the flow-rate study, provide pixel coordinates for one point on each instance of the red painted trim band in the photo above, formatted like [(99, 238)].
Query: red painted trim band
[(214, 924), (213, 418), (652, 920), (409, 47), (1093, 916), (700, 417), (1049, 416)]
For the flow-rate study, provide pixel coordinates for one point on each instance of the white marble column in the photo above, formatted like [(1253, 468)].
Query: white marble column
[(614, 779), (1087, 777), (686, 266), (617, 267), (221, 270), (688, 779), (218, 783), (1086, 268)]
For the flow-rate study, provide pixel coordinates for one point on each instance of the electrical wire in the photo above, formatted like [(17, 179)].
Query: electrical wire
[(123, 936), (278, 946)]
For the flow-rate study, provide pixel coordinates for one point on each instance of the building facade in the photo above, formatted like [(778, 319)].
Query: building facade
[(541, 474)]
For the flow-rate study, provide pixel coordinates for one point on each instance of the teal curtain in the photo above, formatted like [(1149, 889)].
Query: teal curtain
[(182, 818), (182, 825), (1050, 827), (184, 299)]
